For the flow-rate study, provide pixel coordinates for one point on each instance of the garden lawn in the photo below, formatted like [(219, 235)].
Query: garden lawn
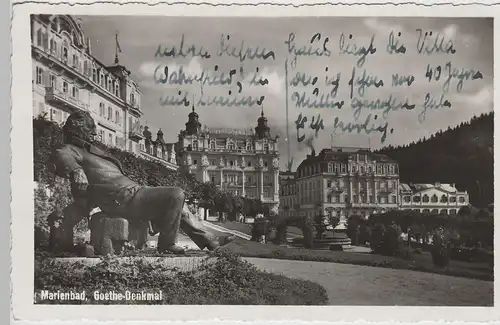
[(372, 286), (417, 262)]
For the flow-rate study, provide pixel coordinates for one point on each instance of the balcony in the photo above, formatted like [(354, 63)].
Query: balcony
[(59, 98), (336, 189), (135, 135)]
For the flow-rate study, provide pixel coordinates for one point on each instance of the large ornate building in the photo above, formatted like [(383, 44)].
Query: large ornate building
[(343, 182), (67, 77), (432, 198), (244, 162)]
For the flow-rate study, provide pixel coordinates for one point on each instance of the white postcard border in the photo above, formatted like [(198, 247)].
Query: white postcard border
[(22, 177)]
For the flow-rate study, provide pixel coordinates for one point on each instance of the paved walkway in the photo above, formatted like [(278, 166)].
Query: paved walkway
[(365, 285)]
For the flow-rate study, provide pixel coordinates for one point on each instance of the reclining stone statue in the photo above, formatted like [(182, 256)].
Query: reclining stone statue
[(97, 180)]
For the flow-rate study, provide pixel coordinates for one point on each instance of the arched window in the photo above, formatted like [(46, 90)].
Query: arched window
[(425, 198), (212, 145), (444, 199), (94, 75), (434, 198), (434, 211), (110, 113)]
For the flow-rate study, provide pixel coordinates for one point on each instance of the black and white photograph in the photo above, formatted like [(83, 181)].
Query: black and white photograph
[(291, 160)]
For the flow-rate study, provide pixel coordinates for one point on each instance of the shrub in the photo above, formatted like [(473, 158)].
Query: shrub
[(308, 232), (391, 241), (440, 248), (223, 278), (377, 238)]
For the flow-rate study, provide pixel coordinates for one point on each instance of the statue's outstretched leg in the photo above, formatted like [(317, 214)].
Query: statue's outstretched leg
[(199, 234)]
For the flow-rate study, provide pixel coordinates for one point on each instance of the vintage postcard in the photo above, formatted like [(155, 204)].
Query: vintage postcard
[(205, 162)]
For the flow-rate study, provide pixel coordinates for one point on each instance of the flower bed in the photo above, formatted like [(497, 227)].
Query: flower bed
[(226, 280)]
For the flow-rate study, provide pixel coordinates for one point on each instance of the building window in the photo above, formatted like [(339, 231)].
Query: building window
[(461, 199), (102, 135), (110, 113), (75, 92), (195, 145), (249, 147), (444, 199), (416, 199), (406, 198), (94, 75), (110, 138), (453, 211), (53, 81), (434, 198), (328, 183), (425, 198), (39, 75), (231, 146), (39, 37), (53, 46), (265, 163), (65, 87), (266, 146), (65, 54), (101, 109), (393, 198), (330, 167), (249, 164), (453, 199), (195, 162), (117, 90), (117, 118)]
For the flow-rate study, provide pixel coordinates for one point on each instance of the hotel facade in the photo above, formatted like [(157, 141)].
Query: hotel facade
[(349, 181), (244, 162), (343, 182), (66, 77)]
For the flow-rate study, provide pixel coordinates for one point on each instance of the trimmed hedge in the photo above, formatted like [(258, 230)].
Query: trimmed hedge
[(227, 280)]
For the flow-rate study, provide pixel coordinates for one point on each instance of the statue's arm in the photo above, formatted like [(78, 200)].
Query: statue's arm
[(67, 163), (65, 160)]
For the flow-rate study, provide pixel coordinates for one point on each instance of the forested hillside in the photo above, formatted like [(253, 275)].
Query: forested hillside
[(462, 155)]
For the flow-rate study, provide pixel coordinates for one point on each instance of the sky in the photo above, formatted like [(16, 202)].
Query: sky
[(464, 47)]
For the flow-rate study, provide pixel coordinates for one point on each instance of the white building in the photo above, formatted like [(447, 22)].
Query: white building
[(432, 198), (67, 77), (244, 162), (343, 182)]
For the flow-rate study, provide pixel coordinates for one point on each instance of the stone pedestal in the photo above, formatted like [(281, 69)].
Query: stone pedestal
[(108, 235)]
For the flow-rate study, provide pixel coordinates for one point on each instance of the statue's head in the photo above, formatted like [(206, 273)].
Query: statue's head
[(80, 125)]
